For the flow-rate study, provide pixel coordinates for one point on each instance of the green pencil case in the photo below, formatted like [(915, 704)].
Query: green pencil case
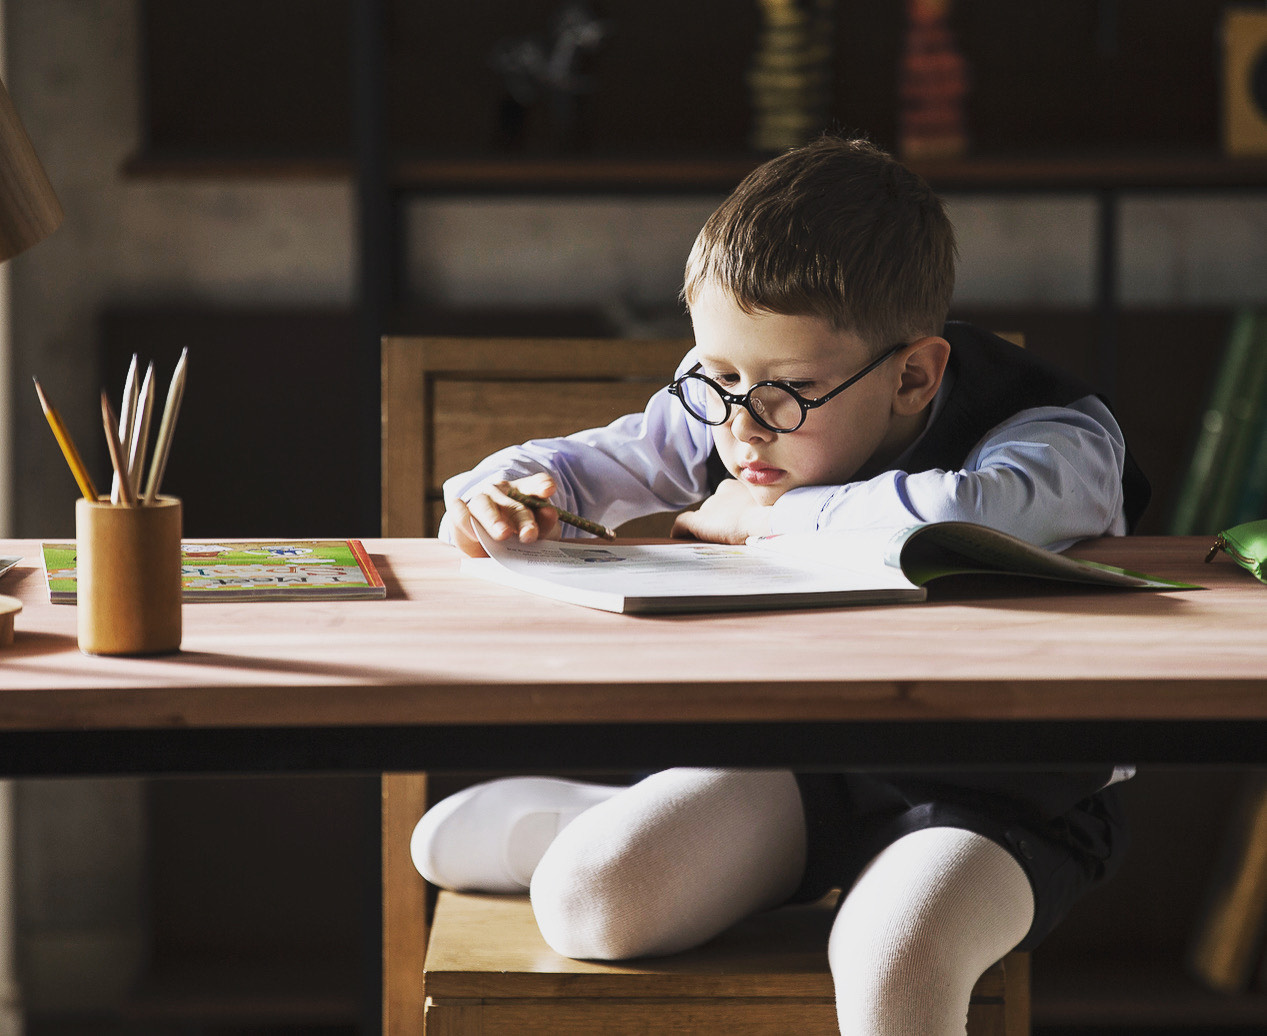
[(1246, 544)]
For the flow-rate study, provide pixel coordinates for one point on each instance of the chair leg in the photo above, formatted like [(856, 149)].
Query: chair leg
[(1016, 1004), (404, 906)]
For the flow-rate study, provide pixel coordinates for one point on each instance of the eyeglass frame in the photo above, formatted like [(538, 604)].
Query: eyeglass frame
[(744, 400)]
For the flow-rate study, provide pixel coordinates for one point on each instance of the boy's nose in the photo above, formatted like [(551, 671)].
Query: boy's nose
[(745, 428)]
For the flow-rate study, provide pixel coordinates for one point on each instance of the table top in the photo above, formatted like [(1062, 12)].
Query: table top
[(445, 650)]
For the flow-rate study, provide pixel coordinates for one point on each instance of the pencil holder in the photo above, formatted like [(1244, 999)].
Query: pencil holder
[(128, 576)]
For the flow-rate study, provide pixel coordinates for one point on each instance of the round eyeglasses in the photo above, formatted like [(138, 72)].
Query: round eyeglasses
[(771, 404)]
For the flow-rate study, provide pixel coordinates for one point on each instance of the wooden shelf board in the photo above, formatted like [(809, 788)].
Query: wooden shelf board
[(984, 172), (157, 165), (496, 174), (1125, 171), (660, 174)]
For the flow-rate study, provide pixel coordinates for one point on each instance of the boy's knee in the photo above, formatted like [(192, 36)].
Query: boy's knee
[(881, 964), (911, 986), (891, 976), (591, 908), (925, 918)]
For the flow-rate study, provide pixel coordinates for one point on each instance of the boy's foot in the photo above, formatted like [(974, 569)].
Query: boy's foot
[(490, 837)]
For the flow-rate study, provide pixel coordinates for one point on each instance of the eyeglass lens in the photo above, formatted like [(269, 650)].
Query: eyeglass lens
[(770, 404)]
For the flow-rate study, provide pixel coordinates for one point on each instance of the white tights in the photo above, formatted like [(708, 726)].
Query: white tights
[(679, 857)]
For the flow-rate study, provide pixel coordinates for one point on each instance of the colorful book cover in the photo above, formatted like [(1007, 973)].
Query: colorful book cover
[(267, 570)]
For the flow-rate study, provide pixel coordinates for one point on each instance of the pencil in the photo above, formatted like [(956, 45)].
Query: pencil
[(127, 414), (116, 451), (567, 517), (67, 444), (166, 426), (141, 431)]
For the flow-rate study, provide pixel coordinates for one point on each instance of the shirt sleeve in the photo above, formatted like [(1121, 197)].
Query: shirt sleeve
[(639, 464), (1049, 475)]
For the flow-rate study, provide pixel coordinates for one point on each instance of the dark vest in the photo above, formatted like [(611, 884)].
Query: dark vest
[(993, 380)]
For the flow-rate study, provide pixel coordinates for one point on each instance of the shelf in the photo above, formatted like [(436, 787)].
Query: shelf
[(721, 173), (579, 174), (484, 174), (474, 174), (1126, 171), (165, 165)]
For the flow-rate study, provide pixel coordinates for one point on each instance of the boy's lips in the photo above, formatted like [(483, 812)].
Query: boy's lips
[(757, 474)]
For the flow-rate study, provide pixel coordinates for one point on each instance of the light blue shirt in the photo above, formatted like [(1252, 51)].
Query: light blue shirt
[(1050, 475)]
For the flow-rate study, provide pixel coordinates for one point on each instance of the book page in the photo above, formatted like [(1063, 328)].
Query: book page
[(862, 551), (686, 570), (926, 552)]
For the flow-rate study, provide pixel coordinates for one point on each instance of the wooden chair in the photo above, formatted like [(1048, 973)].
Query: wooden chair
[(448, 403)]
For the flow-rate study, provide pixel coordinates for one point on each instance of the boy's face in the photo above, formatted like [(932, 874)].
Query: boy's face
[(837, 440)]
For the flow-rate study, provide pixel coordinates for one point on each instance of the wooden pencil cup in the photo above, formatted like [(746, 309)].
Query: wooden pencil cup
[(128, 573)]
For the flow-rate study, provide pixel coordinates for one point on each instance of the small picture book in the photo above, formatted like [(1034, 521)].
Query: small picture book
[(869, 566), (267, 570)]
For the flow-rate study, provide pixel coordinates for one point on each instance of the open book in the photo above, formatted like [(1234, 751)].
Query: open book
[(791, 571)]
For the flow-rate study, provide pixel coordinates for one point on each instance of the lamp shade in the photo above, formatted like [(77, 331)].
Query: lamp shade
[(29, 210)]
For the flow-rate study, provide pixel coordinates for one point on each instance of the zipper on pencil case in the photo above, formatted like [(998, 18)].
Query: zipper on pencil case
[(1221, 544)]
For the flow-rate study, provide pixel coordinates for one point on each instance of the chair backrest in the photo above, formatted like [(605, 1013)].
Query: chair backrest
[(450, 402)]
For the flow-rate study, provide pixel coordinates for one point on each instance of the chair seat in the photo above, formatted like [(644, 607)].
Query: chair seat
[(489, 971)]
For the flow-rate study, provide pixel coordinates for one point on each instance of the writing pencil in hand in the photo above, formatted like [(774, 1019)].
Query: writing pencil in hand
[(567, 517)]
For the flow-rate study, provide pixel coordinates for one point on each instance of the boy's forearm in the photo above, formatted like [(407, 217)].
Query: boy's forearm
[(605, 485), (1050, 476), (730, 515), (1050, 513), (638, 464)]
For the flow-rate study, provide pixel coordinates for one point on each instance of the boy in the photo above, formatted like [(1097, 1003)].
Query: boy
[(825, 392)]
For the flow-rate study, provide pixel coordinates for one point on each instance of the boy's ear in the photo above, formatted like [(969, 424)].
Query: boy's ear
[(923, 364)]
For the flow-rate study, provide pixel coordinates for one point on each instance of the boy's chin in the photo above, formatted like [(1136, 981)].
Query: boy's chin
[(765, 496)]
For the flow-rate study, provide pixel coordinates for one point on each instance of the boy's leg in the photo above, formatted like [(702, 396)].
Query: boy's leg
[(924, 920), (670, 862), (490, 836)]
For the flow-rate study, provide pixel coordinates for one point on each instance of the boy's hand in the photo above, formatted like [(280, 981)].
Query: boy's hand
[(501, 517), (730, 515)]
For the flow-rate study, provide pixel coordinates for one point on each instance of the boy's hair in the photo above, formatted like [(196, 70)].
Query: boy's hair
[(837, 229)]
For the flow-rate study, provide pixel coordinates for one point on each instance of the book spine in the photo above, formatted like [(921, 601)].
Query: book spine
[(1242, 421), (1253, 502), (1191, 508)]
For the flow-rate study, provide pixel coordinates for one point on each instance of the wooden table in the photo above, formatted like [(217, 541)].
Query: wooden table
[(455, 673), (451, 673)]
